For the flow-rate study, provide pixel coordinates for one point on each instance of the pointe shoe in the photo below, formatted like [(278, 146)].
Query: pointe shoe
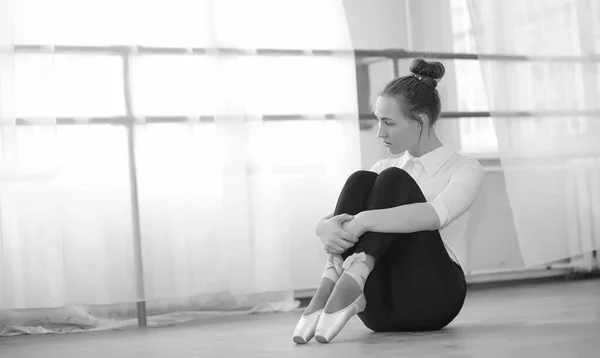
[(330, 324), (305, 329)]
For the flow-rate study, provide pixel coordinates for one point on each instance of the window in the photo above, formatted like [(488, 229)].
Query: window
[(169, 78), (49, 85), (477, 135), (532, 84), (273, 85), (101, 59)]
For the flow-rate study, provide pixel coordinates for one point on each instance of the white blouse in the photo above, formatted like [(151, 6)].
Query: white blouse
[(450, 183)]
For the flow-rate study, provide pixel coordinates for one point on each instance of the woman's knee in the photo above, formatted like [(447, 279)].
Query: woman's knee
[(394, 186), (361, 177), (394, 175)]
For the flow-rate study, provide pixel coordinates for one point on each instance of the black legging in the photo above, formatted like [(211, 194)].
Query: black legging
[(415, 285)]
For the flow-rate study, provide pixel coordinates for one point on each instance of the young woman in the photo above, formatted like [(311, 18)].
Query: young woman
[(389, 238)]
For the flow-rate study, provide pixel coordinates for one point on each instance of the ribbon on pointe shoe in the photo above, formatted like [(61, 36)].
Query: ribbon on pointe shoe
[(355, 266), (333, 262), (330, 324)]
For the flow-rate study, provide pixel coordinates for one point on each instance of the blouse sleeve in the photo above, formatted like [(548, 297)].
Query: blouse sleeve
[(460, 192)]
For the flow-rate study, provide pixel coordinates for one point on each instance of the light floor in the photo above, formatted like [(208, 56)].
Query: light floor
[(539, 320)]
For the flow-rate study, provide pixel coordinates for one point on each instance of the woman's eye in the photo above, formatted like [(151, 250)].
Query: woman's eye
[(388, 123)]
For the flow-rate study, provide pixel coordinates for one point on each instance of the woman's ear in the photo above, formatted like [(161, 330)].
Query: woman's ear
[(425, 119)]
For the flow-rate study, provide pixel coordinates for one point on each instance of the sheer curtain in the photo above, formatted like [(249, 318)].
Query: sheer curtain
[(224, 196), (550, 154)]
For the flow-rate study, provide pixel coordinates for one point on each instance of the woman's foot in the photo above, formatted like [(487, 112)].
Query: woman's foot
[(345, 292), (350, 286), (331, 274), (306, 326), (347, 298), (321, 296), (305, 329), (331, 324)]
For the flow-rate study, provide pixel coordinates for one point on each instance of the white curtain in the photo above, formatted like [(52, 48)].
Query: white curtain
[(223, 203), (551, 158)]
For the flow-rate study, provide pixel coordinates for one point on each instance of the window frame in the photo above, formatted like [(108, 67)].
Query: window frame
[(362, 57)]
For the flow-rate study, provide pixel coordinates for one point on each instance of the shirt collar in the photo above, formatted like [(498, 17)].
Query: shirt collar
[(433, 160)]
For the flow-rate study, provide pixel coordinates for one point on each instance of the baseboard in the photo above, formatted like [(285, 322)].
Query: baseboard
[(525, 277), (509, 278)]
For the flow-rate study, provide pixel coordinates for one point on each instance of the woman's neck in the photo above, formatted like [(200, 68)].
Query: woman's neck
[(426, 145)]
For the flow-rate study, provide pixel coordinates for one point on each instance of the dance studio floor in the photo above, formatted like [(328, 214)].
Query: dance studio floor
[(539, 320)]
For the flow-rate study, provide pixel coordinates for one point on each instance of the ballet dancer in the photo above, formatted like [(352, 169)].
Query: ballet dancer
[(388, 240)]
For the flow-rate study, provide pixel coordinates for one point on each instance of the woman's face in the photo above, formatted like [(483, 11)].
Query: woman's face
[(397, 132)]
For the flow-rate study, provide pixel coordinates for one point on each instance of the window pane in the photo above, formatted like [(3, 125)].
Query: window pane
[(194, 85), (518, 86), (178, 23), (477, 135), (309, 85), (306, 24), (537, 135), (535, 86), (46, 85), (527, 27), (310, 24), (471, 92), (30, 150), (174, 85), (462, 27), (113, 22)]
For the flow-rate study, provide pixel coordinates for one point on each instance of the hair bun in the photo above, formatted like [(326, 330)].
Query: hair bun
[(433, 70)]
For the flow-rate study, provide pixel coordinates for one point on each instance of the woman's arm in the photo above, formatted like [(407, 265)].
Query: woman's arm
[(400, 219), (456, 198)]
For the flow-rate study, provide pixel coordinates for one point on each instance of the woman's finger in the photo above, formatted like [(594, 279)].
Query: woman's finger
[(335, 248), (343, 244), (348, 236)]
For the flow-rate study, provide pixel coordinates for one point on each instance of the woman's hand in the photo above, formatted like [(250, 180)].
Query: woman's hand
[(355, 226), (335, 239)]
